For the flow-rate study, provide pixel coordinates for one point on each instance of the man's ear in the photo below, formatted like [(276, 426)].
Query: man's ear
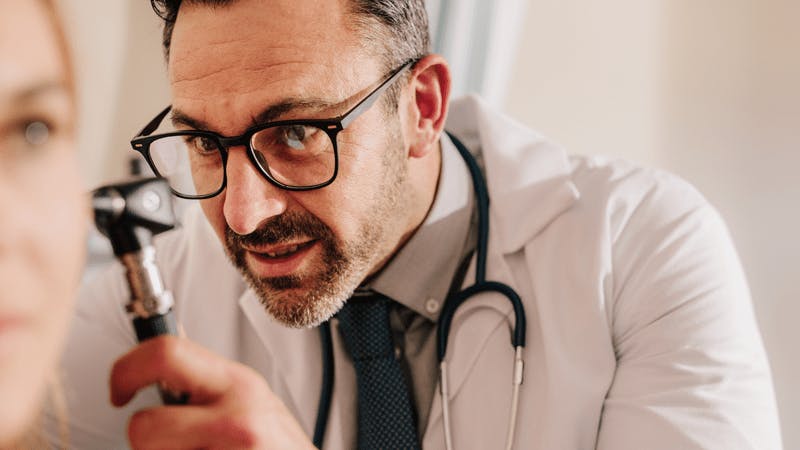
[(429, 94)]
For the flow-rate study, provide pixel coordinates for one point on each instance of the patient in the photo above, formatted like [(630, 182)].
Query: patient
[(43, 215)]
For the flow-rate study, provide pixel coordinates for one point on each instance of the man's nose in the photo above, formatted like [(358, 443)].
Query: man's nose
[(250, 199)]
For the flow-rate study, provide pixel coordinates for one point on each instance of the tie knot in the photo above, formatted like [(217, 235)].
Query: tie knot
[(364, 326)]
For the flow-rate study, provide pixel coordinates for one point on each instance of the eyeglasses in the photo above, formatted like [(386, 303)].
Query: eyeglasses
[(296, 155)]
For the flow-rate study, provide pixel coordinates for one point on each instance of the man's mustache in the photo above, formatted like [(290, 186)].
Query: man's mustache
[(282, 228)]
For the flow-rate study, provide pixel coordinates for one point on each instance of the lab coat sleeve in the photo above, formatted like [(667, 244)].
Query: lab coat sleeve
[(691, 368)]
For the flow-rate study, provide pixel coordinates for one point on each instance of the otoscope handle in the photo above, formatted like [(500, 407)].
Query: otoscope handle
[(155, 326), (151, 327), (130, 214)]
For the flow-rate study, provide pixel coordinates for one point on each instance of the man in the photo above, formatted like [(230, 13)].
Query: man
[(640, 331)]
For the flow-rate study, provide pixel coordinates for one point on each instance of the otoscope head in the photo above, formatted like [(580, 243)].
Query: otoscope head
[(131, 213)]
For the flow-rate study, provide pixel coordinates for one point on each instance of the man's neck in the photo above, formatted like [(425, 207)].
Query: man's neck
[(423, 183)]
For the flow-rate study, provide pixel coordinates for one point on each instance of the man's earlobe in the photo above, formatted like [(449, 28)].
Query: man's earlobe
[(430, 91)]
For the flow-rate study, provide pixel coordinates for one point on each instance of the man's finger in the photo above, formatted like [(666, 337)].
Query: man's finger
[(190, 427), (178, 364)]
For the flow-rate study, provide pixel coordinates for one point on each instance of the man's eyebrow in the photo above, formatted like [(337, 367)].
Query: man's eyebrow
[(178, 117), (308, 106), (269, 114)]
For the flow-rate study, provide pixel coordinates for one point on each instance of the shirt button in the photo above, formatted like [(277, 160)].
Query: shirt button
[(431, 305), (398, 352)]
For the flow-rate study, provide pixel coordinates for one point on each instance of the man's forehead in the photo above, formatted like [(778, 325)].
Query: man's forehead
[(277, 21), (255, 54), (226, 45)]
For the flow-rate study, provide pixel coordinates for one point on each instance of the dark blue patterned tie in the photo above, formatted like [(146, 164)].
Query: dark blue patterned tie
[(385, 417)]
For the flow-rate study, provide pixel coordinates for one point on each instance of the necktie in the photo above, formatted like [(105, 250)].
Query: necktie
[(385, 417)]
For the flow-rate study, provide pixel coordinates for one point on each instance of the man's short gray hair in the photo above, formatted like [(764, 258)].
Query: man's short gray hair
[(396, 30)]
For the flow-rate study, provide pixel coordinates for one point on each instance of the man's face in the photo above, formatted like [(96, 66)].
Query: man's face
[(303, 252)]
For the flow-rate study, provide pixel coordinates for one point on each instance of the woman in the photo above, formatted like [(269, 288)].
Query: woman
[(43, 214)]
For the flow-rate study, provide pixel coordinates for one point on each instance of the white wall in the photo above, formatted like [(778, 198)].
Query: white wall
[(709, 90), (121, 80)]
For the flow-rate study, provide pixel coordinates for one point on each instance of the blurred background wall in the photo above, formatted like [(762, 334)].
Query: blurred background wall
[(709, 90)]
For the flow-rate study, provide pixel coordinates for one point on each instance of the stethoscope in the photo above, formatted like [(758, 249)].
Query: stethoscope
[(445, 319)]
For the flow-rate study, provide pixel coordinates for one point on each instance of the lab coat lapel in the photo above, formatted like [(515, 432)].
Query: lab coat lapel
[(529, 186), (294, 360), (528, 177), (478, 347)]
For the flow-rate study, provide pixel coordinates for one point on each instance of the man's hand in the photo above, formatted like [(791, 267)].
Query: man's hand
[(230, 405)]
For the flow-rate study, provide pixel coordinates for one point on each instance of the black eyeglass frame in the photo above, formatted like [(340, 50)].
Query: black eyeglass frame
[(141, 142)]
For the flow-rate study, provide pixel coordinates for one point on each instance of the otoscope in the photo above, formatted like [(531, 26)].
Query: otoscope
[(129, 215)]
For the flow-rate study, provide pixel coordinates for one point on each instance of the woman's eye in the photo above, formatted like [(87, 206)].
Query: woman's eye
[(26, 135), (37, 133)]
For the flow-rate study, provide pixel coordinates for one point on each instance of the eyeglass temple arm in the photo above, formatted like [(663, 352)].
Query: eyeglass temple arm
[(153, 125), (347, 117), (367, 103)]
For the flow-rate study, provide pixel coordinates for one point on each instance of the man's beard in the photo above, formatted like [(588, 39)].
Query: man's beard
[(308, 299)]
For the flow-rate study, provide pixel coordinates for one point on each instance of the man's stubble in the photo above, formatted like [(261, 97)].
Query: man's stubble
[(307, 300)]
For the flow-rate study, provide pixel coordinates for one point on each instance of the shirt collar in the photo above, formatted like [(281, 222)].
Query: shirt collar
[(420, 274)]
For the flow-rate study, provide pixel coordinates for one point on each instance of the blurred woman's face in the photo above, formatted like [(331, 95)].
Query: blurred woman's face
[(42, 213)]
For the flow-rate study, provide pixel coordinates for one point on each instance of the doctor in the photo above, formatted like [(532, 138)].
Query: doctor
[(640, 332)]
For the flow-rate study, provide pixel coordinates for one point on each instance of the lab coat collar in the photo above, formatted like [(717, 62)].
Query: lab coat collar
[(527, 176)]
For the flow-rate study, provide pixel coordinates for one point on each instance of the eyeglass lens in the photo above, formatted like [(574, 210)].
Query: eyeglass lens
[(295, 155)]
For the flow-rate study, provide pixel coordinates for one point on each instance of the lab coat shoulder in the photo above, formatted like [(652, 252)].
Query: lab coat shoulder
[(640, 326), (691, 370), (691, 367)]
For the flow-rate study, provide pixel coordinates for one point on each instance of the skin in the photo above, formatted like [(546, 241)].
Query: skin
[(42, 224), (221, 81), (226, 66)]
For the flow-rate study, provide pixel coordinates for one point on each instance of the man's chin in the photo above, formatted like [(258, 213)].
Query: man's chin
[(282, 286), (293, 305)]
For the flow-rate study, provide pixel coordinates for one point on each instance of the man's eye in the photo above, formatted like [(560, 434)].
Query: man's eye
[(202, 144), (295, 136)]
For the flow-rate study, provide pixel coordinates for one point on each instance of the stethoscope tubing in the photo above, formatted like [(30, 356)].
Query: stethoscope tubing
[(454, 301), (451, 305)]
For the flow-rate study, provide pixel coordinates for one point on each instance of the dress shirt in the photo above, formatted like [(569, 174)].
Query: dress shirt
[(419, 276)]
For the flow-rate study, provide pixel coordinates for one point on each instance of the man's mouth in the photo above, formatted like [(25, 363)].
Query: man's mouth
[(279, 260), (283, 250)]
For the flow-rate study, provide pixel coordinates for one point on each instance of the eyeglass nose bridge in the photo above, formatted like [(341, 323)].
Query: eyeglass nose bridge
[(226, 143), (236, 141)]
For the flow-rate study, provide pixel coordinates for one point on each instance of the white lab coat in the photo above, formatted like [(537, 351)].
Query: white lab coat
[(640, 331)]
